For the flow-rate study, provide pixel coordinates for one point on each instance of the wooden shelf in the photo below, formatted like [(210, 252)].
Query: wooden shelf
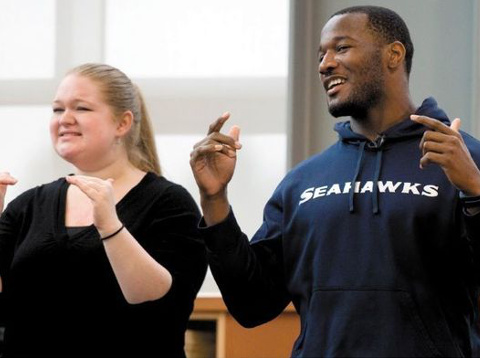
[(214, 333)]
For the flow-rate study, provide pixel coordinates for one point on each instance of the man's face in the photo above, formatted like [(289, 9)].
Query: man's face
[(350, 66)]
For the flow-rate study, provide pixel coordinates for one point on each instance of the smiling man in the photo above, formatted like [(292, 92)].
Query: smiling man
[(376, 240)]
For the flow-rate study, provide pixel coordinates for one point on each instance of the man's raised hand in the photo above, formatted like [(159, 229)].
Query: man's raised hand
[(443, 145)]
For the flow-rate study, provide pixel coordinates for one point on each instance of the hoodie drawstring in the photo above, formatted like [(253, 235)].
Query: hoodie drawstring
[(361, 149), (378, 167), (377, 146)]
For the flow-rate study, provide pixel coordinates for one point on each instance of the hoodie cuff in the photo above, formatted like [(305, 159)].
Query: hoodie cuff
[(471, 209), (223, 236), (470, 204)]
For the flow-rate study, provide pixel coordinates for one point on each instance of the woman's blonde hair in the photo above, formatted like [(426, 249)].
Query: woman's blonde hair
[(122, 95)]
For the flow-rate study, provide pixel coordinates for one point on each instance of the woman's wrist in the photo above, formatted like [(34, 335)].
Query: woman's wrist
[(115, 233), (106, 230)]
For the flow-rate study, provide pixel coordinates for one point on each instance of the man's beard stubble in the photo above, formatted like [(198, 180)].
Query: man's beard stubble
[(364, 96)]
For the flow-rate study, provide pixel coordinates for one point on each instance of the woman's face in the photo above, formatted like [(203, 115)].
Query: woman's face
[(83, 129)]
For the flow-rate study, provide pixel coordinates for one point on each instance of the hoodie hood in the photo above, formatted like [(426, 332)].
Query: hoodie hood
[(403, 130)]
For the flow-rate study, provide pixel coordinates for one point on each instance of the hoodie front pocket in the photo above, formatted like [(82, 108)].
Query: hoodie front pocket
[(365, 322)]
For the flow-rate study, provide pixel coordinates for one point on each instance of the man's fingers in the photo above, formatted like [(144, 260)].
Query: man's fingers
[(457, 122), (234, 132), (434, 147), (428, 122), (218, 124), (431, 157), (218, 138), (438, 132), (437, 125), (431, 123), (431, 136), (202, 150), (209, 149)]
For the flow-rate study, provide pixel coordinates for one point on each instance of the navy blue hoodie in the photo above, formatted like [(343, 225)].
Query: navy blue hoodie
[(375, 253)]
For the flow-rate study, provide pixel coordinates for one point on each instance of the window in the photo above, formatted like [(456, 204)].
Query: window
[(27, 39), (191, 38)]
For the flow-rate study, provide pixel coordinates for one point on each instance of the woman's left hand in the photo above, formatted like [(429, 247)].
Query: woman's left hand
[(100, 192)]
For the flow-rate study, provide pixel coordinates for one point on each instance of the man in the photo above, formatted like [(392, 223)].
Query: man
[(375, 240)]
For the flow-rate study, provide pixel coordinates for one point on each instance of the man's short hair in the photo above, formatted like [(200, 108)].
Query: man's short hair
[(388, 24)]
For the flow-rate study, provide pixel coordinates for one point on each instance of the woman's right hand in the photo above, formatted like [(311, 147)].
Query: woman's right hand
[(5, 180)]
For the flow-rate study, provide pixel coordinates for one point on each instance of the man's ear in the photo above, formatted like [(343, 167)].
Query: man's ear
[(124, 123), (396, 55)]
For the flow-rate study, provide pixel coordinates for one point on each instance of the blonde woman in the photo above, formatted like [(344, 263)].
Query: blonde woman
[(105, 262)]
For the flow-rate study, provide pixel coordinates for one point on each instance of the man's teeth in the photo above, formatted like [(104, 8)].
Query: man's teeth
[(335, 82)]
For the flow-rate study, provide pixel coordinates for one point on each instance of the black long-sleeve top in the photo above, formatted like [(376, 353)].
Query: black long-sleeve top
[(61, 295)]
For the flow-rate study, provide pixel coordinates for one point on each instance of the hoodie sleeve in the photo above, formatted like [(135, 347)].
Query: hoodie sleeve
[(250, 275), (470, 207), (472, 224)]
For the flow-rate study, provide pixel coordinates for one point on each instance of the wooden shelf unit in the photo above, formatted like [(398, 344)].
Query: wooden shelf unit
[(230, 340)]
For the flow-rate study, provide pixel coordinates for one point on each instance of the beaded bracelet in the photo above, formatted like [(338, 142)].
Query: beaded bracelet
[(112, 235)]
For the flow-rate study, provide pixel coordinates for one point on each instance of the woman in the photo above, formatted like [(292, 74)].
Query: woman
[(106, 262)]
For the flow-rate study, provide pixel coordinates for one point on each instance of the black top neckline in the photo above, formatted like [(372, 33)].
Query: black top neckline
[(63, 230)]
